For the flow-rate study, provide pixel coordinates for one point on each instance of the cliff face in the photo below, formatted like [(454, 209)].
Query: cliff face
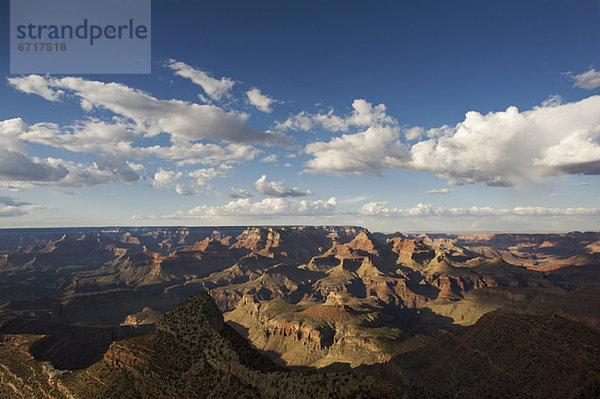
[(193, 353), (311, 336), (505, 356), (295, 244)]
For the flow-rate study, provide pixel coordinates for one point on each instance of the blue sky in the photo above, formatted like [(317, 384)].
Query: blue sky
[(409, 116)]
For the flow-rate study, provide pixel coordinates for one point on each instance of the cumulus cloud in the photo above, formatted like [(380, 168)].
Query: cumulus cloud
[(259, 100), (236, 193), (269, 159), (413, 133), (369, 152), (380, 209), (504, 148), (87, 136), (363, 114), (15, 167), (214, 88), (181, 119), (277, 189), (439, 191), (35, 84), (587, 80), (18, 172), (95, 136), (200, 153), (165, 178), (201, 177), (267, 207)]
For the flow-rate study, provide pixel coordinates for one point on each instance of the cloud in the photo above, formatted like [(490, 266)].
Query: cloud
[(364, 114), (276, 189), (413, 133), (260, 101), (509, 148), (87, 136), (269, 159), (440, 191), (200, 153), (183, 189), (15, 208), (552, 101), (353, 200), (236, 193), (18, 172), (506, 148), (10, 201), (165, 178), (369, 152), (117, 167), (12, 211), (116, 138), (102, 171), (183, 120), (587, 80), (380, 209), (35, 84), (267, 207), (214, 88), (16, 167), (201, 177)]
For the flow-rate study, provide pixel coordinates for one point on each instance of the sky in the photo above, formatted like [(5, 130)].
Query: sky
[(440, 116)]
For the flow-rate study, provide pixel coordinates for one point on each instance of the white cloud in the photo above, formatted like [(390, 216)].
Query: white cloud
[(267, 207), (269, 159), (214, 88), (58, 172), (552, 101), (35, 84), (183, 189), (376, 149), (364, 114), (277, 189), (587, 80), (504, 148), (440, 191), (380, 209), (578, 152), (181, 119), (88, 136), (117, 137), (201, 177), (236, 193), (413, 133), (200, 153), (260, 101), (165, 178)]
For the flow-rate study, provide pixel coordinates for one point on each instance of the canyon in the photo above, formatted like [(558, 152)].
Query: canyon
[(228, 311)]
